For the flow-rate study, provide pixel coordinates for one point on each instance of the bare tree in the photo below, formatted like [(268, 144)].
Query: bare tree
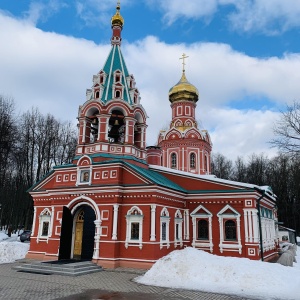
[(287, 130), (221, 166)]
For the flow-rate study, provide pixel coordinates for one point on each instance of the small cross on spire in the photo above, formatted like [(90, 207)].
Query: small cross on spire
[(183, 61)]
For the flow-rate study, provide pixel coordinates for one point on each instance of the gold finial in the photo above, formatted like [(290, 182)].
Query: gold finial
[(117, 19), (183, 62)]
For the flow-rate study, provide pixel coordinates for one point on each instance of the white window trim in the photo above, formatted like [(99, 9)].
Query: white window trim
[(130, 218), (45, 216), (165, 218), (195, 218), (178, 221), (235, 246), (79, 172)]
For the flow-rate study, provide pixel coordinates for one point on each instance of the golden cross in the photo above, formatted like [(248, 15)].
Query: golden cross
[(183, 62)]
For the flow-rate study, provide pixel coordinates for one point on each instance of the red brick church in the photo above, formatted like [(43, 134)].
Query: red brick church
[(121, 203)]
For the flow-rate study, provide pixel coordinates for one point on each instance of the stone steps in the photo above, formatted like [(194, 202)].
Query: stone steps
[(66, 268)]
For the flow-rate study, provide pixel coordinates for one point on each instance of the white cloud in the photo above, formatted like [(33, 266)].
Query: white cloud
[(174, 9), (52, 72), (268, 16), (40, 12), (240, 133)]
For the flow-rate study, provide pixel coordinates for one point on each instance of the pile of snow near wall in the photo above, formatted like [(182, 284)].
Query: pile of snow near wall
[(198, 270)]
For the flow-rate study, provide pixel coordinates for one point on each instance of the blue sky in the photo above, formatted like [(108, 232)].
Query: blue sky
[(244, 58)]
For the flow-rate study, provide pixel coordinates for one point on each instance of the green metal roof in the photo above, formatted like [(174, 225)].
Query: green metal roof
[(112, 156), (114, 62), (156, 178)]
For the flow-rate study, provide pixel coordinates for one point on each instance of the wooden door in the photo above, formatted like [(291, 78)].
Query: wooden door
[(78, 235)]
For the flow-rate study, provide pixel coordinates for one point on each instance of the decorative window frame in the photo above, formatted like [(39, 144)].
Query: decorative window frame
[(80, 174), (118, 76), (165, 218), (226, 245), (202, 244), (134, 215), (173, 157), (178, 220), (44, 217), (193, 160)]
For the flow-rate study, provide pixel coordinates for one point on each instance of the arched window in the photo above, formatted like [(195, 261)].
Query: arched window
[(118, 94), (173, 160), (202, 230), (44, 224), (134, 223), (230, 230), (193, 160), (178, 229), (205, 163), (97, 94)]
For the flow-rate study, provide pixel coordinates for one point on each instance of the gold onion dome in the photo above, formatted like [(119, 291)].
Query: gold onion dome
[(183, 90), (117, 19)]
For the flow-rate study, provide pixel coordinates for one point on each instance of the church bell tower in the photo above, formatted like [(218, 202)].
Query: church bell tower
[(112, 120)]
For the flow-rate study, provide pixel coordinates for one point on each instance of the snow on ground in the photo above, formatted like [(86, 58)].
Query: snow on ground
[(3, 236), (10, 249), (198, 270)]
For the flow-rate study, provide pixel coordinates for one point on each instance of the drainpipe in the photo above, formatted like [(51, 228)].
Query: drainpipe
[(259, 225)]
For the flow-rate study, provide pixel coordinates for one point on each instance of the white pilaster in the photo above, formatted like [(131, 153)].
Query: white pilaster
[(84, 131), (97, 238), (250, 226), (153, 211), (246, 225), (115, 222), (51, 221), (255, 226), (34, 219)]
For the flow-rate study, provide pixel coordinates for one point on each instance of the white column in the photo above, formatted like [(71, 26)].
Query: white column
[(51, 222), (84, 131), (194, 231), (34, 219), (99, 125), (239, 233), (246, 225), (97, 238), (142, 137), (255, 226), (184, 224), (187, 225), (153, 210), (251, 226), (221, 234), (210, 234), (126, 130), (106, 128), (115, 222), (182, 167)]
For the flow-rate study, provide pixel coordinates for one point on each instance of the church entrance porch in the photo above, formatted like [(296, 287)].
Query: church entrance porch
[(77, 234)]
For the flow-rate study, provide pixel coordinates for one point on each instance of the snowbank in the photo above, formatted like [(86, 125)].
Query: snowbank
[(198, 270), (11, 251), (3, 236)]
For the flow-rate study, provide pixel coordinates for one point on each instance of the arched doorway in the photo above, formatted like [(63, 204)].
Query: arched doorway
[(83, 233), (77, 233)]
